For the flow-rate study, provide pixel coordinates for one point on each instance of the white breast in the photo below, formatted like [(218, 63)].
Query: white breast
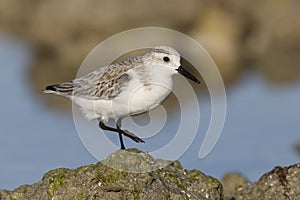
[(137, 97)]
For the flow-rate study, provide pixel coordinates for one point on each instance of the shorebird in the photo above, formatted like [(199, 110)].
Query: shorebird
[(129, 87)]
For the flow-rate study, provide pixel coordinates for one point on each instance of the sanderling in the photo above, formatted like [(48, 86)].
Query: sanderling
[(129, 87)]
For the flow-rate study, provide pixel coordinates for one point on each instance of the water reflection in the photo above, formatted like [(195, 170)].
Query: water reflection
[(261, 127)]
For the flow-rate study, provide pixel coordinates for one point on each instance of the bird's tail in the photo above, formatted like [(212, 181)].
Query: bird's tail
[(64, 89)]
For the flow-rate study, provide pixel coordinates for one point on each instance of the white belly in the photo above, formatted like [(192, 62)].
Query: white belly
[(140, 99), (134, 99), (95, 109)]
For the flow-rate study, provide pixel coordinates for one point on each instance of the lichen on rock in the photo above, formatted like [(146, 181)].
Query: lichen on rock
[(129, 174), (133, 174)]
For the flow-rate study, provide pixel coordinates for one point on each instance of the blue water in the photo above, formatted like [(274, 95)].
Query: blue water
[(262, 125), (34, 139)]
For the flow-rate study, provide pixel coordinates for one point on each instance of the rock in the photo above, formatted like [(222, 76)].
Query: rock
[(222, 38), (133, 174), (279, 184), (111, 179), (232, 181), (5, 195), (274, 39)]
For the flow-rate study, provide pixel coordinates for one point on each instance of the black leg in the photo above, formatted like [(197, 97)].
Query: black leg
[(127, 133), (120, 137), (132, 136), (122, 132), (104, 127)]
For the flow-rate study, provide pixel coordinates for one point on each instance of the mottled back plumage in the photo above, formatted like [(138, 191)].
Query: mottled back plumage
[(104, 83)]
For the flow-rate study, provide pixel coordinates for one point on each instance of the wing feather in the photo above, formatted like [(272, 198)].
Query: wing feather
[(104, 83)]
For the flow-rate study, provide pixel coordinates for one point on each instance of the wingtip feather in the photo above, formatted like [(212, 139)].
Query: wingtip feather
[(50, 89)]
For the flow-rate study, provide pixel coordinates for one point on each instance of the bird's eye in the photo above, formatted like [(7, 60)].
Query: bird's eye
[(166, 59)]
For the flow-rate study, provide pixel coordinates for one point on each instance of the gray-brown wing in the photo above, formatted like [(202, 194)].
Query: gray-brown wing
[(105, 83), (97, 87)]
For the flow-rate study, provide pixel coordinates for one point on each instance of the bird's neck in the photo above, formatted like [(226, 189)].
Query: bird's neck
[(161, 76)]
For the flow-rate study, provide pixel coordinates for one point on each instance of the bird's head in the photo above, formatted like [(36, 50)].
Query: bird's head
[(168, 59)]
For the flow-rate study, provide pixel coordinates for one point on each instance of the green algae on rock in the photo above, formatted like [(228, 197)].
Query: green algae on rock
[(116, 178)]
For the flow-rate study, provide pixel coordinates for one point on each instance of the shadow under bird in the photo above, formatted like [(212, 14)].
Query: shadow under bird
[(129, 87)]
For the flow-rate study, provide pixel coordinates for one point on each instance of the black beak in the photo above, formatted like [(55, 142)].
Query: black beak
[(187, 74)]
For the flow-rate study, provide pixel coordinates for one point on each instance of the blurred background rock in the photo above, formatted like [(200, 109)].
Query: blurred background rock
[(231, 182), (238, 34)]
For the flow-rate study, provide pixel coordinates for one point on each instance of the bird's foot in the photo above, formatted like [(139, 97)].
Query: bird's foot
[(132, 136)]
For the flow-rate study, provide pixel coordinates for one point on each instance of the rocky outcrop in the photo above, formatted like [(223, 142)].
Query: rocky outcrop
[(114, 178), (282, 183), (133, 174)]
